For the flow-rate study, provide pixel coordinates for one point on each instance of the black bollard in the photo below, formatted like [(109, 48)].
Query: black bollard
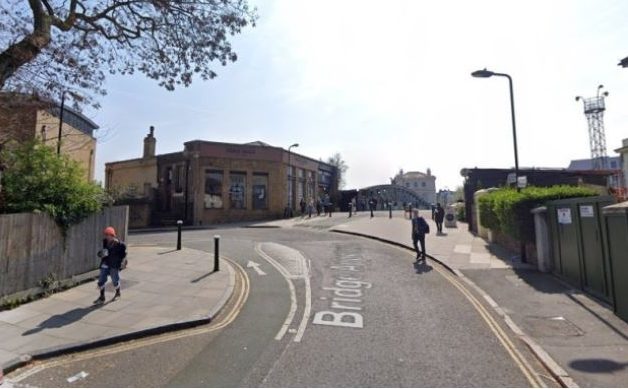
[(389, 211), (179, 224), (350, 209), (216, 252)]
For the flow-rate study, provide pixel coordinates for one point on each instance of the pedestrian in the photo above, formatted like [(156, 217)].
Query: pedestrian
[(439, 216), (433, 211), (410, 211), (302, 206), (419, 229), (112, 260), (318, 206), (310, 207)]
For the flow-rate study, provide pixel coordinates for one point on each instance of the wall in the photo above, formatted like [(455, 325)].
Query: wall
[(137, 173), (74, 143), (32, 247)]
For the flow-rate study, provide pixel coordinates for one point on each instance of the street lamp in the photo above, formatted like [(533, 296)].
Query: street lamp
[(486, 74), (290, 176)]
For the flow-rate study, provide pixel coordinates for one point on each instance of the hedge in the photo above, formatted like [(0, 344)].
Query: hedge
[(508, 211)]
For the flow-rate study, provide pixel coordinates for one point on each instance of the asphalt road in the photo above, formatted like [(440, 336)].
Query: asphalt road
[(362, 314)]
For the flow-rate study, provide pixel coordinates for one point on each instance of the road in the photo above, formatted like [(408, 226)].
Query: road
[(315, 309)]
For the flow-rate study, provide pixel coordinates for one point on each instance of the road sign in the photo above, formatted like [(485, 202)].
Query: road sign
[(522, 181), (511, 179)]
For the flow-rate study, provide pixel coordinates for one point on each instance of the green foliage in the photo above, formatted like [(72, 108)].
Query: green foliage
[(37, 179), (508, 211), (461, 214), (50, 284)]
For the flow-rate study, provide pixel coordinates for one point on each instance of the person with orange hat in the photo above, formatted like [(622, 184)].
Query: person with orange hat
[(112, 257)]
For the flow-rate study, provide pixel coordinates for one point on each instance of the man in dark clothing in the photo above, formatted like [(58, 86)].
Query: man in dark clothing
[(302, 205), (419, 229), (112, 257), (439, 216)]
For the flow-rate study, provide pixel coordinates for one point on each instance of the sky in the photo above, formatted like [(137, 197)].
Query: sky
[(388, 85)]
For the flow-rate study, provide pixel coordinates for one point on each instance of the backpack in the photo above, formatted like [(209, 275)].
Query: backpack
[(422, 226)]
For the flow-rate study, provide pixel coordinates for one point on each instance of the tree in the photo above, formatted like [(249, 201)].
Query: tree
[(341, 168), (35, 178), (55, 46)]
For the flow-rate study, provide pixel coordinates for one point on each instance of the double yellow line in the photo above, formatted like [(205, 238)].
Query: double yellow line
[(242, 287), (503, 337)]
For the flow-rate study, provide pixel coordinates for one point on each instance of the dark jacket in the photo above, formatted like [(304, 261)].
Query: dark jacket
[(439, 215), (419, 226), (117, 253)]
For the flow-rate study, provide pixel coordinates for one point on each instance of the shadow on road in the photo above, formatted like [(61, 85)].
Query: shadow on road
[(61, 320), (422, 267), (597, 365)]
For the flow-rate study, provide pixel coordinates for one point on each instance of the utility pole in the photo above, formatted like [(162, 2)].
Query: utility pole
[(61, 123)]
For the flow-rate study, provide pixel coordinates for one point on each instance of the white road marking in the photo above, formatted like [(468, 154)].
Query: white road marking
[(77, 377), (293, 295), (308, 304), (255, 267)]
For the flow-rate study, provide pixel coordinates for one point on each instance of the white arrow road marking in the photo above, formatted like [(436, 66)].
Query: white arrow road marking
[(255, 267), (77, 377)]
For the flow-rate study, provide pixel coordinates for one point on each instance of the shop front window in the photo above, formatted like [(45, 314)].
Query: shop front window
[(260, 191), (213, 189), (237, 190)]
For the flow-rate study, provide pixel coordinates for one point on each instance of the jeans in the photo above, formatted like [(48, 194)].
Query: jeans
[(113, 273), (416, 238), (439, 226)]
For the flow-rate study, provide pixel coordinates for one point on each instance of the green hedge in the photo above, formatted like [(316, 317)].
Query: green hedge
[(508, 211)]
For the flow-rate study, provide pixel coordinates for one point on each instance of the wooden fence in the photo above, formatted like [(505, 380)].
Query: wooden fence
[(32, 247)]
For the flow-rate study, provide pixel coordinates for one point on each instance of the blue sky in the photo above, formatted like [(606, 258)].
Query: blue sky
[(387, 85)]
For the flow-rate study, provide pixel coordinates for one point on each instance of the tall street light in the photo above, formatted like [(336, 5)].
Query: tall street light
[(290, 176), (486, 74)]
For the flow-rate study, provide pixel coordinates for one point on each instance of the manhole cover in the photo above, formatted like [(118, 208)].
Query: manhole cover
[(539, 326)]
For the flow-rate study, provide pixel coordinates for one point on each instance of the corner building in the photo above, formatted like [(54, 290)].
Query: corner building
[(216, 182)]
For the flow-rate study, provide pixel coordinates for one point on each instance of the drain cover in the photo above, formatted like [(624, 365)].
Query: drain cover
[(547, 326)]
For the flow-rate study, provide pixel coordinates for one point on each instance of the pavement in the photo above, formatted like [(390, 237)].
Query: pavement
[(579, 337), (162, 289)]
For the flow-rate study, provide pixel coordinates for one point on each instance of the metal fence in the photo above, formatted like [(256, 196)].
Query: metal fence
[(32, 247)]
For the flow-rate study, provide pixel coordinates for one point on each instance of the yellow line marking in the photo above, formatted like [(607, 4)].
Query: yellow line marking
[(241, 278), (499, 333)]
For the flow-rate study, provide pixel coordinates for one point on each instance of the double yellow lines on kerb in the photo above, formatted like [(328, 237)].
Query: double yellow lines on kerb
[(503, 337), (236, 302)]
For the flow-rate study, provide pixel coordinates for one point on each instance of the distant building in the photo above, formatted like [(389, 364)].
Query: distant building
[(423, 184), (623, 158), (587, 164), (215, 182), (23, 118)]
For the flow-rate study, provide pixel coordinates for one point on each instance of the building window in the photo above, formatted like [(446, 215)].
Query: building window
[(416, 184), (237, 190), (260, 191), (407, 184), (213, 188), (169, 175), (423, 184), (178, 179)]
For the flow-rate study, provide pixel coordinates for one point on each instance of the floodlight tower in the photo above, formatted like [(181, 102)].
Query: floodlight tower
[(594, 108)]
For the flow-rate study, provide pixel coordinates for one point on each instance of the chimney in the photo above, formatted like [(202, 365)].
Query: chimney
[(149, 143)]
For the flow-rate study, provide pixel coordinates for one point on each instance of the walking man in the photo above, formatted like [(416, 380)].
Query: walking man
[(419, 229), (111, 256), (439, 216)]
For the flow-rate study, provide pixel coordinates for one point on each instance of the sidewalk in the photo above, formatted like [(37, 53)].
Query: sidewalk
[(583, 336), (161, 289)]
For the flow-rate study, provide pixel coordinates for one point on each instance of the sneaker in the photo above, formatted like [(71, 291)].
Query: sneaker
[(117, 295), (100, 300)]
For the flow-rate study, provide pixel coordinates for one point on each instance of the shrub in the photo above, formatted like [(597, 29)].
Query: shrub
[(37, 179), (508, 211)]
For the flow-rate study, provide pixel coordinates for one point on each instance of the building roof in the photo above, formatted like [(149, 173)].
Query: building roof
[(587, 164), (258, 143)]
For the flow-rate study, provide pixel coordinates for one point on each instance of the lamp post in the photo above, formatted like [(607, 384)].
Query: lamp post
[(486, 74), (290, 176), (62, 108)]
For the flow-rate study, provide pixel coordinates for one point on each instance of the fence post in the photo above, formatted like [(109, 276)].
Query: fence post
[(216, 252)]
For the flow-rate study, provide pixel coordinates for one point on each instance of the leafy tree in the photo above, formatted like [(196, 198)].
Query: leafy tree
[(50, 46), (341, 168), (35, 178)]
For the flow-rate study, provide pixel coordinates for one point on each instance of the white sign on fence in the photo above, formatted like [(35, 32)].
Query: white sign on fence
[(564, 215), (587, 211)]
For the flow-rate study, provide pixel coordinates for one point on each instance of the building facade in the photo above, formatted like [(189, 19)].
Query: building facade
[(215, 182), (24, 118), (623, 163), (423, 184)]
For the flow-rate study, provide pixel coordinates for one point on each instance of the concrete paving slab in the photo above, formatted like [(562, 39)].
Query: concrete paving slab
[(148, 300)]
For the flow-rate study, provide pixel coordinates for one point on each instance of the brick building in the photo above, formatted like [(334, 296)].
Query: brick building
[(23, 117), (215, 182)]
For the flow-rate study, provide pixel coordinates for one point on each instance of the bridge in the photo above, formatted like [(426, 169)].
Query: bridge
[(395, 194)]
